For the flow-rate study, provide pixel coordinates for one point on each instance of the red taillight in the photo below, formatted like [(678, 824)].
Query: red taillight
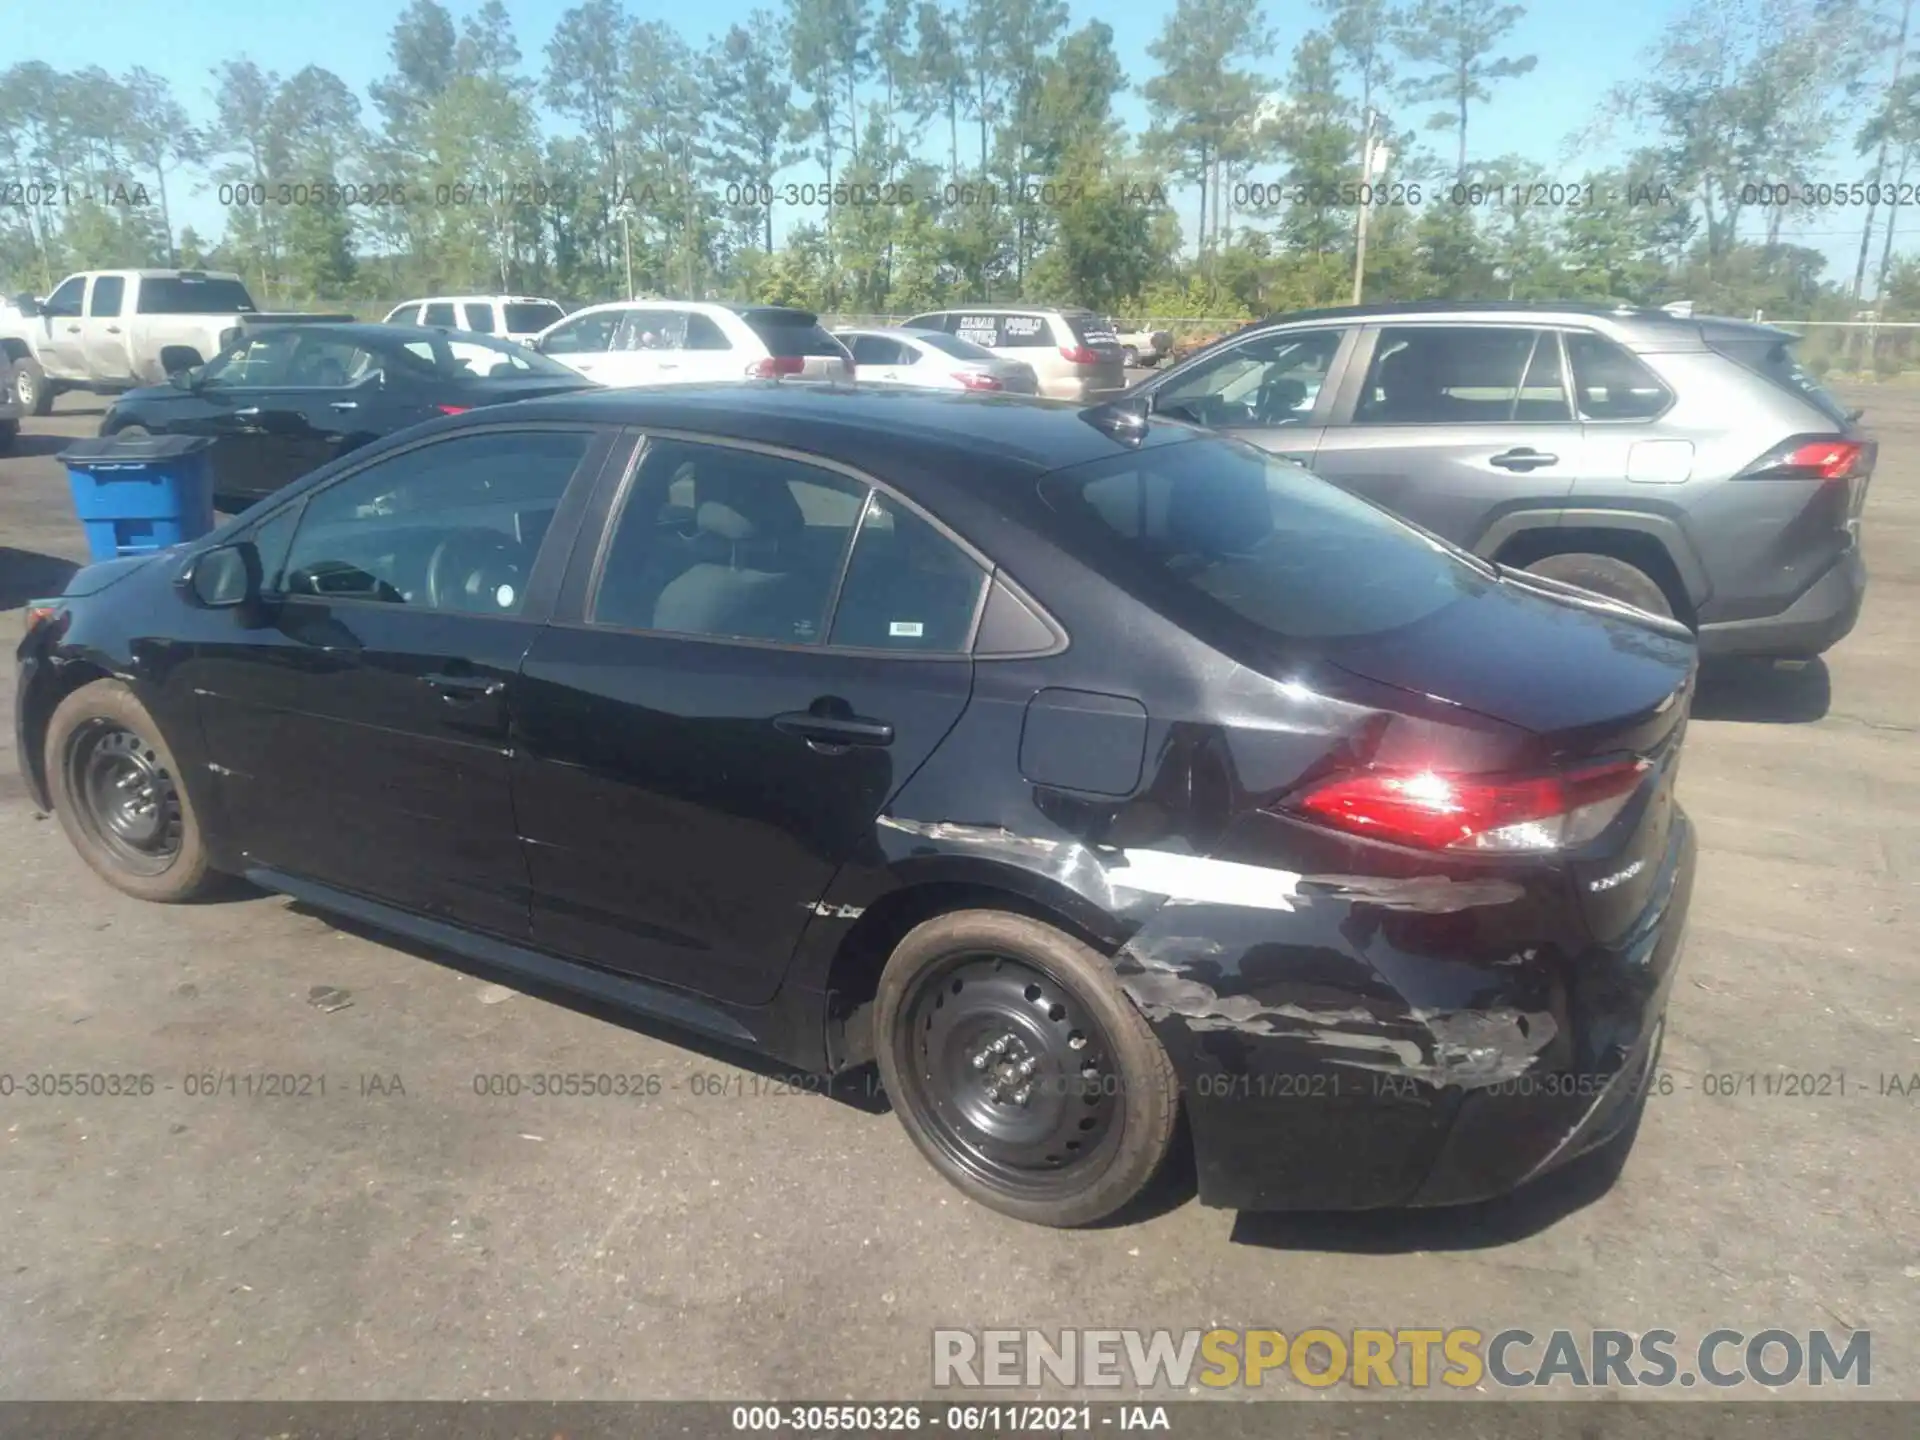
[(452, 409), (1078, 355), (974, 380), (1819, 457), (1437, 811), (774, 366)]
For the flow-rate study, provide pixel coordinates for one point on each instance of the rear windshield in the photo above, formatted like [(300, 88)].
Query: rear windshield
[(1774, 358), (179, 295), (529, 319), (1211, 528), (1093, 330), (792, 332), (953, 345)]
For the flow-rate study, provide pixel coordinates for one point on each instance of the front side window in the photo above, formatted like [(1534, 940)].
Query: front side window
[(876, 350), (454, 525), (258, 360), (65, 302), (1213, 529), (440, 316), (651, 330), (583, 335), (1465, 375), (727, 543), (1266, 381)]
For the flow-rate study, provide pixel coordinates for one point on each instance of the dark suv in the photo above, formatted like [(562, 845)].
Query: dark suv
[(1685, 465)]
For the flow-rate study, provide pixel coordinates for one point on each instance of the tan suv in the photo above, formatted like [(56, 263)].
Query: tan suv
[(1074, 353)]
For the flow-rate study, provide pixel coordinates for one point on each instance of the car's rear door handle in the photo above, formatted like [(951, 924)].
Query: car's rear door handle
[(834, 729), (464, 689), (248, 413), (1524, 458), (343, 405)]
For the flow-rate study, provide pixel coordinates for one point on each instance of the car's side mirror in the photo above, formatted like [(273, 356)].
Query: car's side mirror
[(224, 578), (26, 304)]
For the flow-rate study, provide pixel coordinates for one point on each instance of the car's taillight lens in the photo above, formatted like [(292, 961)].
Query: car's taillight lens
[(451, 409), (774, 366), (1809, 457), (1434, 810), (1078, 355), (974, 380)]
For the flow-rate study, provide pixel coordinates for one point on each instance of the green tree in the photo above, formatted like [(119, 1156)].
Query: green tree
[(1454, 40)]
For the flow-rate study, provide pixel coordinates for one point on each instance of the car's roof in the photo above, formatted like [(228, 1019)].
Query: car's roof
[(477, 300), (985, 309), (1625, 319), (1024, 437), (368, 332), (894, 332)]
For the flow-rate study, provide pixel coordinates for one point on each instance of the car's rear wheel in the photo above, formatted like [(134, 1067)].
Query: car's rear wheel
[(117, 790), (32, 388), (1608, 576), (1020, 1069)]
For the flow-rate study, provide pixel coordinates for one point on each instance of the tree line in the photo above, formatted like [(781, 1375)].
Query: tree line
[(884, 156)]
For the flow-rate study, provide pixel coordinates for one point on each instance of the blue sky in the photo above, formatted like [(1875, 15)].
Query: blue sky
[(1582, 51)]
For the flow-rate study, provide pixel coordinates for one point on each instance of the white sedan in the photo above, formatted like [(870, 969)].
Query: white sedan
[(933, 360)]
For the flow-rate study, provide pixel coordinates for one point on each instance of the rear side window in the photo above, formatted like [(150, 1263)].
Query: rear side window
[(908, 587), (1093, 330), (1213, 531), (1441, 375), (186, 295), (479, 317), (1023, 332), (526, 319), (108, 292), (877, 350), (704, 334), (792, 333), (1774, 359), (1610, 384)]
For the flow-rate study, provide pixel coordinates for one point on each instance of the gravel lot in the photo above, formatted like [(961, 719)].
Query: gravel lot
[(426, 1242)]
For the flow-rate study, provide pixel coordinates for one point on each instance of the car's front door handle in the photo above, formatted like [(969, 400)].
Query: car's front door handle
[(464, 689), (113, 329), (343, 405), (834, 729), (1524, 458), (248, 413)]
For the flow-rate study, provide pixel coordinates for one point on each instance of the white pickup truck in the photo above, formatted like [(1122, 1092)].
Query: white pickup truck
[(110, 330)]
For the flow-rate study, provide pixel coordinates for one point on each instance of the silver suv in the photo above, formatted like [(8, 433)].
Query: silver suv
[(1074, 354), (1685, 465)]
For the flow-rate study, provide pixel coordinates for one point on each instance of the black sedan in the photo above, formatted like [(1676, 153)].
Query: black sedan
[(286, 399), (1079, 770)]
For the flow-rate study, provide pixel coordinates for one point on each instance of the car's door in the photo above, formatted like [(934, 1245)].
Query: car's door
[(61, 323), (359, 728), (305, 399), (103, 334), (705, 736), (582, 342), (1453, 425), (1274, 390), (224, 404)]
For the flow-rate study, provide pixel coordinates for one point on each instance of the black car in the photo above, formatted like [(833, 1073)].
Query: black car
[(1081, 771), (287, 399)]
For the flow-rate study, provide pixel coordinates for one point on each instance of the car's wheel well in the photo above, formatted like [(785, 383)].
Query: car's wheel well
[(1636, 547), (13, 350), (854, 976), (41, 701)]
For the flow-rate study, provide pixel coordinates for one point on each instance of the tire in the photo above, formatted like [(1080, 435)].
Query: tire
[(1130, 358), (32, 388), (99, 736), (137, 432), (1604, 575), (1074, 1135)]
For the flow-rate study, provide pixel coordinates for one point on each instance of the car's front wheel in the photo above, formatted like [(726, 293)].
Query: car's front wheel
[(32, 388), (118, 792), (1020, 1069)]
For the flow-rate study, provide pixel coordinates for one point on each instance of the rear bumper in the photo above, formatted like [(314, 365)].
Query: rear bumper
[(1814, 623), (1459, 1064), (1086, 390)]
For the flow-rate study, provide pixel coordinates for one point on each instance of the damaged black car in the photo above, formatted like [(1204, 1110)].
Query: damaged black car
[(1087, 775)]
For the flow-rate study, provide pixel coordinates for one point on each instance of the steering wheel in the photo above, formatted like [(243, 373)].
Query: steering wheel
[(475, 570)]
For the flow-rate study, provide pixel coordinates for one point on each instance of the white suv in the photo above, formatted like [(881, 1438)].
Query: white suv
[(664, 342), (511, 317)]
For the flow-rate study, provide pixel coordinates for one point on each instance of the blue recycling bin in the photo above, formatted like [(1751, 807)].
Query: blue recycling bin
[(138, 493)]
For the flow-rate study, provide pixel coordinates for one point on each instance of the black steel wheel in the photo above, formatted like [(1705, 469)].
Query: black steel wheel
[(120, 795), (1021, 1070), (128, 798)]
